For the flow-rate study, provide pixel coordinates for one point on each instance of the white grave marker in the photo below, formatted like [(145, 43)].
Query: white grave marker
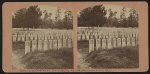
[(91, 45), (54, 44), (59, 43), (69, 43), (40, 45), (34, 45), (109, 43), (45, 46), (133, 41), (27, 47), (103, 43), (50, 44), (98, 44), (128, 41), (118, 42), (124, 42), (114, 42), (64, 43)]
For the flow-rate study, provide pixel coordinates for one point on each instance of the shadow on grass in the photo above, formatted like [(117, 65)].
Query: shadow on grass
[(126, 57), (50, 59)]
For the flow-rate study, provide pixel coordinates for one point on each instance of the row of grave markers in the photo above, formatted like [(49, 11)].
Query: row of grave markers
[(39, 37), (87, 37), (109, 43), (43, 45)]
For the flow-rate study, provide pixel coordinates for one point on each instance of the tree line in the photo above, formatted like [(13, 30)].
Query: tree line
[(96, 17), (32, 18)]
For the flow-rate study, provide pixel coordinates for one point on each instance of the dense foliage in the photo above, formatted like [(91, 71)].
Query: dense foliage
[(96, 17), (32, 18)]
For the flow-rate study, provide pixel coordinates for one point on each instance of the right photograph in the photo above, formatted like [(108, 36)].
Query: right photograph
[(108, 37)]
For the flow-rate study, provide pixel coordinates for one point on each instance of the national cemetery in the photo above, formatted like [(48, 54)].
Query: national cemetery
[(108, 37), (104, 38), (41, 38)]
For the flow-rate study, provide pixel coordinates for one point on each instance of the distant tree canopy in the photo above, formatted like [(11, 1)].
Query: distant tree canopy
[(96, 17), (32, 18), (92, 16)]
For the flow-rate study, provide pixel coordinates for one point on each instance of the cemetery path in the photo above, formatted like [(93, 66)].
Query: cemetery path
[(81, 61), (17, 61)]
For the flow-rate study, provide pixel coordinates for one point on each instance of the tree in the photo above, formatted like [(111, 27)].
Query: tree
[(18, 18), (68, 20), (27, 17), (46, 21), (92, 16), (33, 17), (112, 21), (133, 18), (123, 19)]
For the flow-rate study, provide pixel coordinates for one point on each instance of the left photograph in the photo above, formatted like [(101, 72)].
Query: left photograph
[(42, 38)]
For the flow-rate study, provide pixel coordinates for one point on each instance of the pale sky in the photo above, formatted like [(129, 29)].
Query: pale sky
[(118, 9), (52, 9)]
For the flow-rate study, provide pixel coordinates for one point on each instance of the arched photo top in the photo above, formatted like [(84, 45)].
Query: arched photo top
[(108, 16)]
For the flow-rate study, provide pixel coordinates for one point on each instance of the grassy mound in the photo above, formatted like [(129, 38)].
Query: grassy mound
[(50, 59), (126, 57)]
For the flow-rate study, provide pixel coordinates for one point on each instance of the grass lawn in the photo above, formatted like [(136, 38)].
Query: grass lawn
[(126, 57), (50, 59)]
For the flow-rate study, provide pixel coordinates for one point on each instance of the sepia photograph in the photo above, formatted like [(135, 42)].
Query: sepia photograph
[(42, 38), (108, 37), (55, 37)]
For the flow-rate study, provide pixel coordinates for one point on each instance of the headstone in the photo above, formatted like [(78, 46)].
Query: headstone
[(128, 41), (83, 36), (34, 45), (39, 37), (124, 42), (104, 43), (64, 36), (14, 38), (54, 44), (45, 37), (69, 43), (87, 37), (19, 38), (45, 45), (98, 44), (40, 45), (100, 36), (91, 45), (27, 47), (91, 37), (109, 43), (35, 37), (50, 44), (114, 42), (23, 37), (42, 37), (133, 41), (79, 36), (64, 43), (106, 36), (52, 37), (133, 35), (49, 37), (118, 42), (59, 43), (31, 37), (96, 36), (27, 38)]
